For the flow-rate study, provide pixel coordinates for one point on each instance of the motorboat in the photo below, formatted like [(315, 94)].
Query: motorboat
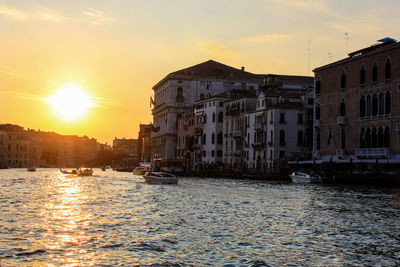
[(160, 178), (69, 172), (31, 169), (302, 177), (85, 171), (142, 168)]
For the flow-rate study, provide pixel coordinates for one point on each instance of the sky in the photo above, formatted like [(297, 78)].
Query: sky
[(117, 50)]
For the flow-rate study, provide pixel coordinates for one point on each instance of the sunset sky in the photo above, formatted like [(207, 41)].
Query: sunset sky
[(115, 51)]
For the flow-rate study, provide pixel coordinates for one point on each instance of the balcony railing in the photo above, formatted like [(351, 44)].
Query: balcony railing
[(237, 134), (317, 123), (341, 153), (316, 154), (258, 145), (373, 152), (258, 126), (341, 120)]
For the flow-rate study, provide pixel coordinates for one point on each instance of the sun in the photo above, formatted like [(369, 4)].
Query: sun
[(70, 102)]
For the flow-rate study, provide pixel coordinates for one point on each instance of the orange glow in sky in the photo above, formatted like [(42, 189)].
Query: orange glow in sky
[(116, 51)]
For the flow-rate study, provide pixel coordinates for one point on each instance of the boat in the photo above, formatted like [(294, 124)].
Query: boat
[(69, 172), (302, 177), (160, 178), (85, 171), (142, 168), (31, 169)]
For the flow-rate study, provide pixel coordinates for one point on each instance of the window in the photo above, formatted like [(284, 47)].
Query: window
[(300, 138), (388, 103), (362, 107), (299, 117), (205, 119), (375, 71), (179, 91), (343, 139), (212, 153), (202, 96), (386, 137), (213, 117), (219, 139), (220, 116), (374, 105), (343, 79), (381, 104), (282, 138), (318, 112), (368, 138), (388, 69), (362, 138), (342, 108), (213, 138), (363, 71), (374, 142), (368, 106), (282, 117), (318, 87), (204, 139), (282, 154), (380, 137)]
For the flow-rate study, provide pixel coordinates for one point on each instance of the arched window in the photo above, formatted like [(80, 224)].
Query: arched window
[(374, 105), (342, 108), (318, 112), (219, 139), (368, 106), (381, 104), (213, 117), (300, 138), (386, 137), (368, 138), (362, 138), (388, 103), (343, 138), (375, 71), (282, 138), (220, 116), (179, 91), (362, 106), (374, 138), (380, 137), (363, 75), (213, 138), (388, 68), (343, 79)]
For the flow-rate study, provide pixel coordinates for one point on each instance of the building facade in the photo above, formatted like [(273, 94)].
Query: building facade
[(144, 142), (354, 112), (175, 95)]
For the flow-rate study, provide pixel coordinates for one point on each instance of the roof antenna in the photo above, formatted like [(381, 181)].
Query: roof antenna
[(347, 42), (308, 64)]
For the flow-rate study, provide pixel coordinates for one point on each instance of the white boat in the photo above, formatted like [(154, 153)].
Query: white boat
[(142, 168), (302, 177), (160, 178)]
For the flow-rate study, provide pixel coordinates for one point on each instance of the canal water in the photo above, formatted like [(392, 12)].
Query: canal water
[(113, 218)]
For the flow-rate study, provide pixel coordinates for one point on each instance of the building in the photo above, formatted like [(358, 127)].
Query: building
[(209, 115), (185, 142), (234, 129), (354, 112), (125, 146), (144, 142), (175, 95), (15, 146)]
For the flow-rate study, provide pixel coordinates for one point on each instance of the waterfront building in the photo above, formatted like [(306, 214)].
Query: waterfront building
[(144, 142), (354, 112), (185, 142), (209, 115), (175, 95), (125, 146), (15, 146), (234, 129)]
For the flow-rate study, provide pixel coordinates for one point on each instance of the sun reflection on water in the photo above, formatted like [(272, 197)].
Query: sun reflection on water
[(67, 220)]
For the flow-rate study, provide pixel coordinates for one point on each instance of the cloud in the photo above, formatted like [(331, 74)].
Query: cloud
[(12, 13), (97, 16), (50, 15), (213, 47), (268, 37)]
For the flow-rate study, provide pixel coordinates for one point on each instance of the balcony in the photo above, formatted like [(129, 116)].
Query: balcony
[(373, 152), (258, 145), (258, 126), (341, 153), (237, 153), (237, 134), (341, 120), (198, 131), (197, 146), (317, 123), (316, 154)]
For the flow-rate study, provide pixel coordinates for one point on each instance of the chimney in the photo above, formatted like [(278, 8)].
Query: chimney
[(242, 68)]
